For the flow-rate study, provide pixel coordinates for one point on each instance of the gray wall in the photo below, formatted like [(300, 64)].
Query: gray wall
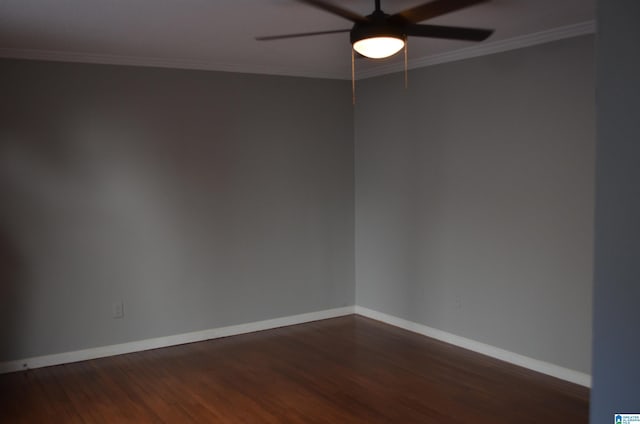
[(201, 199), (474, 199), (205, 199), (616, 367)]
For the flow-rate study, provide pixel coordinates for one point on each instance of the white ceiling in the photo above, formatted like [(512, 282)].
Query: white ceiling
[(219, 34)]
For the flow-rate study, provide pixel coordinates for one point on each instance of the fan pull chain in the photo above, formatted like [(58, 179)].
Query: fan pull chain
[(406, 74), (353, 76)]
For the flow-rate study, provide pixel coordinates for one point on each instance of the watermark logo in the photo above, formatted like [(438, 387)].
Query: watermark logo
[(626, 419)]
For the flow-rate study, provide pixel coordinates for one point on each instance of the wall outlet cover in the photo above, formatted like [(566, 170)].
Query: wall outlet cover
[(117, 310)]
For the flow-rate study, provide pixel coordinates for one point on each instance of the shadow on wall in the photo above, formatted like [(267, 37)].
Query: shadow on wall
[(17, 212), (33, 158), (13, 294)]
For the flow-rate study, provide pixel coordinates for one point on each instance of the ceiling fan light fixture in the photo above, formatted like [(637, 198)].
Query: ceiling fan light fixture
[(377, 38), (380, 35), (379, 47)]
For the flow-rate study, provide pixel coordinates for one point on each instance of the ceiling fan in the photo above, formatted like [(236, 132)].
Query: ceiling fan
[(380, 35)]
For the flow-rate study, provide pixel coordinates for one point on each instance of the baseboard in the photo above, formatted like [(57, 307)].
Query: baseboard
[(177, 339), (485, 349), (197, 336)]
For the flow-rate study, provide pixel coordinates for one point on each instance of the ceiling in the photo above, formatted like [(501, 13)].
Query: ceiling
[(219, 34)]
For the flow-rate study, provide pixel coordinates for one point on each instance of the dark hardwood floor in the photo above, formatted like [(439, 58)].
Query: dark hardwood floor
[(342, 370)]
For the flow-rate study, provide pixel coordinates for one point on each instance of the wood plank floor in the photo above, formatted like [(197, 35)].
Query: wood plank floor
[(340, 371)]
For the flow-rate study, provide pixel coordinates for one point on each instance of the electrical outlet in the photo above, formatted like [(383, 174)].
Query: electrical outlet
[(458, 302), (117, 310)]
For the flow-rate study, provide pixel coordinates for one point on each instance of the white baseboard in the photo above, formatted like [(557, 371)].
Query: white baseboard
[(196, 336), (485, 349), (177, 339)]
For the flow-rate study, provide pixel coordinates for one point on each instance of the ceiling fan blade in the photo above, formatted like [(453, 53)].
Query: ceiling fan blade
[(453, 33), (300, 34), (432, 9), (336, 10)]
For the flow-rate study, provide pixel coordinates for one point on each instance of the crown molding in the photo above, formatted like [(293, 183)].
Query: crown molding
[(154, 62), (484, 49)]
